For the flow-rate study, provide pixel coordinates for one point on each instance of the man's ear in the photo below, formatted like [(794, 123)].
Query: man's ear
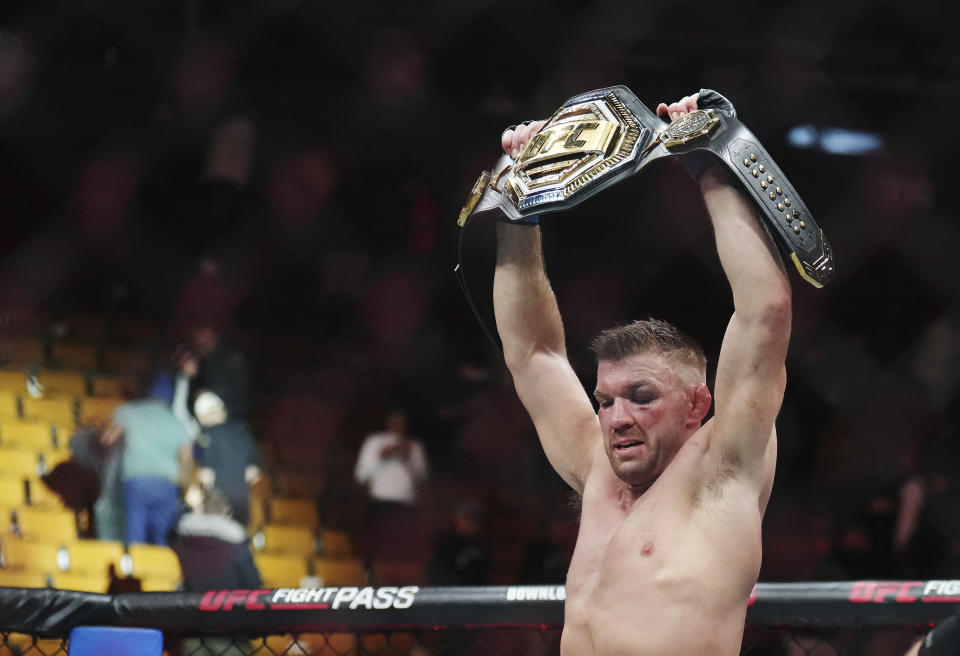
[(699, 403)]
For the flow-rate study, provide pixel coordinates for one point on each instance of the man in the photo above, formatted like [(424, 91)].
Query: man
[(227, 454), (392, 466), (156, 462), (669, 544)]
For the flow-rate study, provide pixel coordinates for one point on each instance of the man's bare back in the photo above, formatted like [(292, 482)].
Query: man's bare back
[(669, 545)]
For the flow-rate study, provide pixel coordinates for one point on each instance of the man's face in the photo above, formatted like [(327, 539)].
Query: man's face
[(644, 411)]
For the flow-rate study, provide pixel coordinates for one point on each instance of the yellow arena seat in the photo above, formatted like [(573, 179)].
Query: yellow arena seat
[(21, 350), (22, 579), (5, 511), (339, 571), (36, 435), (19, 462), (107, 385), (294, 511), (9, 405), (335, 544), (13, 381), (126, 360), (151, 561), (67, 383), (30, 555), (280, 570), (60, 410), (158, 584), (13, 490), (97, 410), (42, 496), (288, 539), (56, 410), (83, 582), (73, 355), (47, 524), (95, 556)]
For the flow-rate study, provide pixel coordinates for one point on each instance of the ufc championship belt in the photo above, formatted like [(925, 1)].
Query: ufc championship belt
[(602, 137)]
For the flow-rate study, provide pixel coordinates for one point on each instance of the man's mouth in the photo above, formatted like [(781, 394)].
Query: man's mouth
[(628, 444)]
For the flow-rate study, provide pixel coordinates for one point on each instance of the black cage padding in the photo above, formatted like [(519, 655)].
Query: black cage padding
[(53, 613)]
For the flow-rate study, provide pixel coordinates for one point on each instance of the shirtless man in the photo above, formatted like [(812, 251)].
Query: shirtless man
[(669, 544)]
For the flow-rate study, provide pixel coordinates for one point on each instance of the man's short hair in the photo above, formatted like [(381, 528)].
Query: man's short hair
[(656, 335)]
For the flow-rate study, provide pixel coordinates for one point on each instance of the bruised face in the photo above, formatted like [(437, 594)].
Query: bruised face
[(646, 413)]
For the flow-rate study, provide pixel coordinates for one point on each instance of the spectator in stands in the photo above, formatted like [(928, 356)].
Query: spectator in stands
[(87, 484), (212, 546), (461, 556), (212, 365), (156, 458), (226, 453), (392, 465), (214, 555)]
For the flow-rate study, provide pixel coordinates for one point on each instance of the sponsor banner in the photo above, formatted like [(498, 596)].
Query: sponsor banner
[(332, 598), (906, 592), (536, 593)]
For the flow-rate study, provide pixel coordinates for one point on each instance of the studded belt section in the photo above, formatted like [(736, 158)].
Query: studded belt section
[(780, 204)]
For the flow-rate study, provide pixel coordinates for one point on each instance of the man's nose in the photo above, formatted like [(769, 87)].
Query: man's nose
[(619, 415)]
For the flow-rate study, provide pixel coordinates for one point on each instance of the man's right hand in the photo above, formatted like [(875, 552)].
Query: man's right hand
[(514, 139)]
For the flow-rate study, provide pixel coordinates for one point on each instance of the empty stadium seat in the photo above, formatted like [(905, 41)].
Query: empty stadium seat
[(13, 381), (294, 511), (35, 435), (6, 512), (72, 355), (288, 539), (67, 383), (20, 462), (56, 410), (84, 582), (41, 496), (95, 556), (115, 386), (47, 524), (159, 584), (151, 561), (22, 579), (9, 405), (13, 490), (45, 557), (340, 571), (21, 350), (335, 544), (280, 570), (127, 360), (97, 410)]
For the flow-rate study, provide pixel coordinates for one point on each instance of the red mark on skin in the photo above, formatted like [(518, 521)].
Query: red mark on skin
[(647, 549)]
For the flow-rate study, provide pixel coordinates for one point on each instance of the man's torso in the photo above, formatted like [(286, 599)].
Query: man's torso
[(669, 573)]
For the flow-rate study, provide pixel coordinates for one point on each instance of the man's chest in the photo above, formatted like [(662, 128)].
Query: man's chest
[(665, 537)]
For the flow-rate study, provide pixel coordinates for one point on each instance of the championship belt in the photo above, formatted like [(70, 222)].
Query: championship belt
[(601, 137)]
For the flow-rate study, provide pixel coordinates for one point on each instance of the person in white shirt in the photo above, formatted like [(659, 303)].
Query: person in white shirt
[(392, 465)]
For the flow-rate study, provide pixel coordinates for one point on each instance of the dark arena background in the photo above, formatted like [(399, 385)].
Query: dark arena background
[(284, 176)]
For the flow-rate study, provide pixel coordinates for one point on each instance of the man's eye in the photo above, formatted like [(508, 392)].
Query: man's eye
[(605, 403), (643, 399)]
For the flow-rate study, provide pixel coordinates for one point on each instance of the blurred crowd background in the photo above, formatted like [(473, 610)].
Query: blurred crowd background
[(286, 174)]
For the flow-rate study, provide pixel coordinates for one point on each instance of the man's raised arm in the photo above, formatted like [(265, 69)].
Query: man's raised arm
[(531, 329), (751, 375)]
